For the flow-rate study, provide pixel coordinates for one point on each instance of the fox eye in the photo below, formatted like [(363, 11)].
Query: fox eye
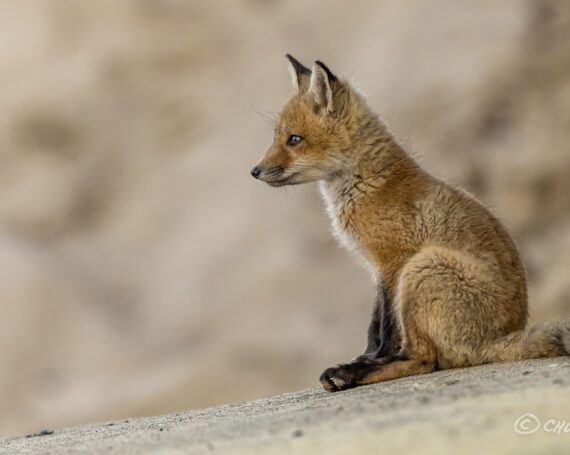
[(294, 140)]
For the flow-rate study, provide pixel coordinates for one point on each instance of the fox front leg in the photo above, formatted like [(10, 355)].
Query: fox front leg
[(383, 344), (381, 336), (370, 371)]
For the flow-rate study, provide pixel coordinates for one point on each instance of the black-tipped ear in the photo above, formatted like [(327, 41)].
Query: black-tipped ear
[(322, 84), (300, 74), (330, 75)]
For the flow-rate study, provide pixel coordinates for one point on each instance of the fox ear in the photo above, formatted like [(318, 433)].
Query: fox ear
[(300, 74), (321, 85)]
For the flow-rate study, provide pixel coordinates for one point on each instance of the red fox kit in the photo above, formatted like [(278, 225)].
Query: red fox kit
[(451, 289)]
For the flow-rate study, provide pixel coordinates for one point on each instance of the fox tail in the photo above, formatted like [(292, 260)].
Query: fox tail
[(551, 339)]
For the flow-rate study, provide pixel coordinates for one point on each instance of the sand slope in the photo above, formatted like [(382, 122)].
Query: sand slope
[(467, 411)]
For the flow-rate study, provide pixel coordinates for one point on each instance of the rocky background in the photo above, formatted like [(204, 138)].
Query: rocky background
[(143, 271)]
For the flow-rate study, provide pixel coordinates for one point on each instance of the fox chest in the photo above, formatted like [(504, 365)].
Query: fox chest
[(346, 227)]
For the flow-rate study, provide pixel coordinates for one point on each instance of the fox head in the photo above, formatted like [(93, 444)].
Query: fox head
[(314, 130)]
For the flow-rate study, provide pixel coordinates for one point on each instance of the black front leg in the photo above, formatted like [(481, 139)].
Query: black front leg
[(374, 327), (383, 347), (381, 339)]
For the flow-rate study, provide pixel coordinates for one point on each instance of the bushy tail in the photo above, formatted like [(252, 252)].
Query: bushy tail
[(551, 339)]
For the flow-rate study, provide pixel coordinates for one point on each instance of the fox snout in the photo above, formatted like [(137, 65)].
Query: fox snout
[(255, 172), (272, 175)]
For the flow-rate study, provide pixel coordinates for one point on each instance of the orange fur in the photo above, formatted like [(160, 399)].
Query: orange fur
[(452, 273)]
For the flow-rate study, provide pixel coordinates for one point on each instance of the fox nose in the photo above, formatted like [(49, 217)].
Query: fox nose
[(255, 172)]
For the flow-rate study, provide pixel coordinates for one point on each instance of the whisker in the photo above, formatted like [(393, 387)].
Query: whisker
[(274, 171), (269, 116)]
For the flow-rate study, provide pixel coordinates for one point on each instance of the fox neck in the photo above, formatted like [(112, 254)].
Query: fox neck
[(373, 178), (373, 160)]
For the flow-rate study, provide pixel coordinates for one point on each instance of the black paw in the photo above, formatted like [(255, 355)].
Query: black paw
[(346, 376)]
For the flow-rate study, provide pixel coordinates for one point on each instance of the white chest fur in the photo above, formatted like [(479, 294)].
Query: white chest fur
[(336, 210)]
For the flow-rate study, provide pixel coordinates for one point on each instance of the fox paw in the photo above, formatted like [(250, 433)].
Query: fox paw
[(346, 376)]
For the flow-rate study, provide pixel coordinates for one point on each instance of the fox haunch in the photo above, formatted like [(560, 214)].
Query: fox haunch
[(451, 288)]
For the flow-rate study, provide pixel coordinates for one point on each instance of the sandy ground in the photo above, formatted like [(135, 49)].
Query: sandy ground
[(143, 271), (469, 411)]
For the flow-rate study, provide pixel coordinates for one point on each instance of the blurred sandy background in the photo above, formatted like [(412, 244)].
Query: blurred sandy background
[(143, 271)]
